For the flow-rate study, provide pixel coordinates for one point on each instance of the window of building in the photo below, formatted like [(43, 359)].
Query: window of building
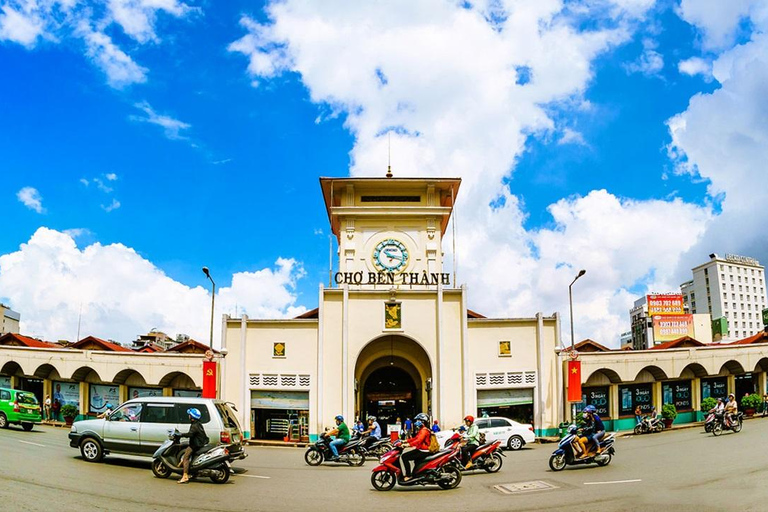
[(706, 272), (730, 268), (741, 288), (753, 271), (742, 315), (722, 276), (732, 287), (738, 270), (739, 278), (731, 278)]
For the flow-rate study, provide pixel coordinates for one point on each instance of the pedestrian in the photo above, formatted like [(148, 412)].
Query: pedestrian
[(55, 408), (408, 427), (435, 427), (399, 427), (765, 405), (47, 408), (638, 415)]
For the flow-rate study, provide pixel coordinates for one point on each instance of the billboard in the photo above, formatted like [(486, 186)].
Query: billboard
[(671, 327), (669, 304)]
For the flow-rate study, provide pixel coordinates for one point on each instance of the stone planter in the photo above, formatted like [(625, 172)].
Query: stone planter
[(668, 422), (749, 413), (68, 420)]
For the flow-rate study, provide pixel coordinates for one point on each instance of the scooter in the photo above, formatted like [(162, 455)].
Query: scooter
[(565, 456), (210, 461), (377, 447), (437, 469), (709, 421), (720, 425), (649, 425), (487, 456), (351, 453)]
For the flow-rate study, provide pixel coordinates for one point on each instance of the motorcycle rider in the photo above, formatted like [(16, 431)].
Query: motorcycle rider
[(373, 431), (197, 439), (593, 425), (342, 436), (731, 408), (420, 442), (472, 438)]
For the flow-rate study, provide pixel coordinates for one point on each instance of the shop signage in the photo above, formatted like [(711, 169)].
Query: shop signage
[(67, 393), (765, 317), (668, 304), (735, 258), (100, 396), (677, 393), (672, 327), (631, 397), (391, 278), (597, 397), (715, 388)]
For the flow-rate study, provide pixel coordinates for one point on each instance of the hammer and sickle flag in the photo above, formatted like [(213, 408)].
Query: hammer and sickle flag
[(574, 381)]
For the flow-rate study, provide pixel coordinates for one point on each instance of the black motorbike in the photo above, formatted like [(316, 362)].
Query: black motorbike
[(352, 453), (376, 447), (565, 455), (210, 461), (720, 423)]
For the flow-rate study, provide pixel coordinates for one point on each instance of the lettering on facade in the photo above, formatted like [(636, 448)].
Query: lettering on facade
[(735, 258), (390, 278)]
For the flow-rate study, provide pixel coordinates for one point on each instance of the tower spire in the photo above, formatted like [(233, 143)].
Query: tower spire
[(389, 154)]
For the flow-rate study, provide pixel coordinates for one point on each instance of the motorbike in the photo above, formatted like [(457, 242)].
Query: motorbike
[(649, 425), (377, 447), (487, 456), (211, 461), (565, 456), (440, 469), (709, 421), (351, 453), (719, 424)]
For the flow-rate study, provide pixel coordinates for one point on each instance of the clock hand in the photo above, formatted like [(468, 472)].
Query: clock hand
[(393, 255)]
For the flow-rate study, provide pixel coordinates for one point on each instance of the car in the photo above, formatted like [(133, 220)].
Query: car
[(140, 426), (513, 435), (19, 408)]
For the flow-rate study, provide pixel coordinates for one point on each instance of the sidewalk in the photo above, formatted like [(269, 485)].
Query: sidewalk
[(283, 444)]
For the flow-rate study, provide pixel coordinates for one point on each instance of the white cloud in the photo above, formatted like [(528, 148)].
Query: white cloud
[(137, 17), (649, 63), (119, 67), (76, 233), (85, 182), (459, 95), (695, 66), (571, 136), (111, 176), (719, 20), (123, 294), (19, 26), (114, 205), (171, 127), (31, 198)]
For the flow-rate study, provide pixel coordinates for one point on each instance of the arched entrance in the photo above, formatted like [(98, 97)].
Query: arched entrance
[(393, 376)]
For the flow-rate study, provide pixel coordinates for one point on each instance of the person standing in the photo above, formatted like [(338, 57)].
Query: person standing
[(408, 427), (435, 427), (47, 408), (55, 408)]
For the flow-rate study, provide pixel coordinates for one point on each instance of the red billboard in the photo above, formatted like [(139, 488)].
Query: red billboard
[(672, 327)]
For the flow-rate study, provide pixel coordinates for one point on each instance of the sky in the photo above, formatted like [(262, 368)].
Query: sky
[(144, 139)]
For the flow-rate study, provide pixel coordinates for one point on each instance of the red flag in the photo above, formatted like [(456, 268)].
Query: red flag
[(209, 379), (574, 381)]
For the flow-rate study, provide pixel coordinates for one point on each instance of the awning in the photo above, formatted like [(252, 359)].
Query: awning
[(297, 400), (502, 397)]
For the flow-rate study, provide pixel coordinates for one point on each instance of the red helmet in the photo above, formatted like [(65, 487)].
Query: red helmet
[(469, 418)]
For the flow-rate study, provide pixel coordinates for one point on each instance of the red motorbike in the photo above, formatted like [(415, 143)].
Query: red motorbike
[(437, 469), (487, 456)]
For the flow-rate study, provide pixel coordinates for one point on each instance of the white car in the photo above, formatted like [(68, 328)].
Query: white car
[(513, 435)]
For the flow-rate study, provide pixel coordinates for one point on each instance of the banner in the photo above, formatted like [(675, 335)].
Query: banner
[(142, 392), (671, 304), (209, 379), (67, 393), (101, 395), (574, 381), (672, 327)]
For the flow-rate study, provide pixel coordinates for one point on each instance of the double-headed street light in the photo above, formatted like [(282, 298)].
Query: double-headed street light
[(213, 299)]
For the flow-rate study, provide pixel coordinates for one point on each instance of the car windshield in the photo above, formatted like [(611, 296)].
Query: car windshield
[(26, 398)]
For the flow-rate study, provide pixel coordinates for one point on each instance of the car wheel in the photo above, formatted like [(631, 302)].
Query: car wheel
[(160, 469), (3, 421), (27, 426), (515, 443), (91, 450), (221, 474)]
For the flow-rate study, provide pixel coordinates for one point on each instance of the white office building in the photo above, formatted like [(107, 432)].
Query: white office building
[(732, 288)]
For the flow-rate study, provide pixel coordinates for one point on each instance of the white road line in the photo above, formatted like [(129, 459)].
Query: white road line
[(613, 482), (35, 444), (256, 476)]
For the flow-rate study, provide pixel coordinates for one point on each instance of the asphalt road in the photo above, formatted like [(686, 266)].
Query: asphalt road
[(683, 470)]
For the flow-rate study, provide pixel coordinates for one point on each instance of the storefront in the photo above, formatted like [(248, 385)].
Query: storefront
[(680, 394), (633, 396), (280, 415), (715, 387), (515, 404), (597, 397)]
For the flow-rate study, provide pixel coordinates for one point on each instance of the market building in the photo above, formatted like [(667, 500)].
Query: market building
[(393, 334)]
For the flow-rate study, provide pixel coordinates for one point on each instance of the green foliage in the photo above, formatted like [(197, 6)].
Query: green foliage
[(669, 412), (708, 403), (752, 401), (70, 411)]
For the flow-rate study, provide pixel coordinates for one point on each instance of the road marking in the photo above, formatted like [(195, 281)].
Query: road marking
[(255, 476), (34, 444), (614, 482)]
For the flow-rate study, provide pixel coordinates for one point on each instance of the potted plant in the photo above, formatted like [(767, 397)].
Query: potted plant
[(69, 412), (750, 403), (669, 413)]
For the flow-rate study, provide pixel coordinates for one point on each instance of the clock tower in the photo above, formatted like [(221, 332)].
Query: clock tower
[(390, 230)]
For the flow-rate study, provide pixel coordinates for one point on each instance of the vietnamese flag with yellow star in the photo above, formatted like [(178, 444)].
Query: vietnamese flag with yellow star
[(574, 381)]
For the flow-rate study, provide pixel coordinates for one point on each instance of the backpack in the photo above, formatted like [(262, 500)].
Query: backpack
[(434, 446), (482, 438)]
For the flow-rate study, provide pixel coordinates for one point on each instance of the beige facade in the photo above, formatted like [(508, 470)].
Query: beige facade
[(10, 320)]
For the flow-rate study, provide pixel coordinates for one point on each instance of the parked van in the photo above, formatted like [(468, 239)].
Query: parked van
[(19, 408), (141, 425)]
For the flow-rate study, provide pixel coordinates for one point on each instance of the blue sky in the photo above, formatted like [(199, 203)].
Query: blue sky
[(215, 163)]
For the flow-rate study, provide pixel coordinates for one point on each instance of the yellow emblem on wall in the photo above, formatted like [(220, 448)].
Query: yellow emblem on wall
[(505, 348), (278, 349), (393, 315)]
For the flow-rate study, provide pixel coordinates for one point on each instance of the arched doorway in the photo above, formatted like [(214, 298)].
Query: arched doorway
[(393, 380)]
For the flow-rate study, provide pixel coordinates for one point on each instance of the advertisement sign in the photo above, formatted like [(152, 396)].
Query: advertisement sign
[(670, 304), (715, 388), (5, 382), (672, 327), (631, 397), (67, 393), (574, 381), (188, 393), (597, 397), (677, 393), (209, 379), (142, 392), (101, 395)]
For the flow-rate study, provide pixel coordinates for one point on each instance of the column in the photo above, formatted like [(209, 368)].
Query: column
[(84, 388), (732, 384), (345, 355), (122, 393), (696, 397), (613, 397), (245, 415), (656, 396)]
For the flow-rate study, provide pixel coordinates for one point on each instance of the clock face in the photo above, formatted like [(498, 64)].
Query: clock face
[(390, 256)]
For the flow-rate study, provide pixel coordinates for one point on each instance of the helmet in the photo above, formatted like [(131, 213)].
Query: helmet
[(590, 409), (572, 429), (195, 413), (108, 406), (421, 417), (469, 418), (371, 418), (339, 418)]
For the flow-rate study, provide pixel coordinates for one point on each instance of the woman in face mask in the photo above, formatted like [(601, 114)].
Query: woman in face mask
[(595, 430)]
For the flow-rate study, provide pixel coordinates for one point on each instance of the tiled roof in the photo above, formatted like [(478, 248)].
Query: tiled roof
[(26, 341), (105, 345)]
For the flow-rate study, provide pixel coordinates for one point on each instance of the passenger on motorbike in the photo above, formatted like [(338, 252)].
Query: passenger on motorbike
[(593, 425), (731, 408), (472, 440), (420, 442), (342, 436), (373, 431)]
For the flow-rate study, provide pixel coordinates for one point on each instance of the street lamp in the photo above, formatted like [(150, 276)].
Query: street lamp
[(213, 298), (570, 300)]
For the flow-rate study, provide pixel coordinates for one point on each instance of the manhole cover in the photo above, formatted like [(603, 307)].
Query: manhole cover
[(521, 487)]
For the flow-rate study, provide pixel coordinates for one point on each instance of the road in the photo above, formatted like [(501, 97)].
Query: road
[(681, 470)]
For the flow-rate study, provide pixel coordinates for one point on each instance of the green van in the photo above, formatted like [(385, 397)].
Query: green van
[(19, 408)]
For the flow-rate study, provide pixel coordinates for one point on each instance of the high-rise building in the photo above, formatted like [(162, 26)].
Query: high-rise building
[(10, 320), (730, 288)]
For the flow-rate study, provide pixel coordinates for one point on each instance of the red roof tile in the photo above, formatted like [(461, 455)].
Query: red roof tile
[(190, 346), (761, 337), (25, 341), (685, 341), (105, 345)]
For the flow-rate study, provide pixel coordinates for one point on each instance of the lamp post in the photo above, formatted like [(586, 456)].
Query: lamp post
[(213, 299), (570, 303)]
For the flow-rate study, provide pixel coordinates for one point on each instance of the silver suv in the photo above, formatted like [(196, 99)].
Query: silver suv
[(139, 427)]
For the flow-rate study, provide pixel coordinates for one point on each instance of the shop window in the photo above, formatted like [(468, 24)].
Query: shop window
[(678, 393), (631, 397)]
